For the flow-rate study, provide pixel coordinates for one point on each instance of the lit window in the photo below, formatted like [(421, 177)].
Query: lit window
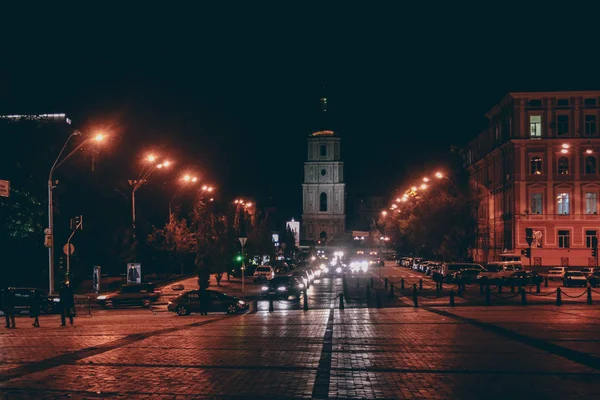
[(323, 150), (591, 203), (562, 203), (563, 239), (562, 125), (590, 125), (535, 126), (536, 203), (589, 235), (590, 165), (536, 166), (563, 166)]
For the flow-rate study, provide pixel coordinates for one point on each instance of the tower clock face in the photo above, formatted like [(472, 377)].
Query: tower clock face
[(323, 172)]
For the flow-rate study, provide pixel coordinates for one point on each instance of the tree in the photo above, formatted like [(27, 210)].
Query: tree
[(176, 241)]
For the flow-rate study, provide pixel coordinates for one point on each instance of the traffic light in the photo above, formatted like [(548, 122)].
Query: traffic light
[(77, 223), (594, 252), (238, 258), (526, 252)]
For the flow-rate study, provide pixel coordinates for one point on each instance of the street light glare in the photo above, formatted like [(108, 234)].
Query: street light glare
[(414, 188), (159, 166), (166, 163), (187, 178), (194, 179), (439, 175), (423, 186), (151, 158), (384, 213), (248, 204), (99, 137), (425, 179)]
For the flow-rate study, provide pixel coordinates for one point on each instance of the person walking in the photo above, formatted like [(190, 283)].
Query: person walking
[(8, 307), (66, 303), (35, 309)]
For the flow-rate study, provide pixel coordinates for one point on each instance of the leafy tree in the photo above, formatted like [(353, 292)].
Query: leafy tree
[(176, 240)]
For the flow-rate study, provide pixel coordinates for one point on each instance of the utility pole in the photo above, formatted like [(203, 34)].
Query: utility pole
[(76, 224), (243, 243)]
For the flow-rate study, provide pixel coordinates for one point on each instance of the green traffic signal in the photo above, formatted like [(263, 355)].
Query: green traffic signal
[(239, 258)]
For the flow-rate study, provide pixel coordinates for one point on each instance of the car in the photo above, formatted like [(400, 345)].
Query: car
[(523, 278), (466, 275), (23, 298), (575, 278), (264, 272), (189, 302), (447, 271), (557, 273), (283, 286), (589, 271), (135, 294), (302, 276), (594, 279), (499, 271)]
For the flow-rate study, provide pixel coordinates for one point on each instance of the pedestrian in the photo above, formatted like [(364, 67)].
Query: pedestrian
[(203, 302), (8, 307), (66, 303), (35, 309)]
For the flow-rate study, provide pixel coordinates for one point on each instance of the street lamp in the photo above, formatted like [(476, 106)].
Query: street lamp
[(186, 180), (99, 137)]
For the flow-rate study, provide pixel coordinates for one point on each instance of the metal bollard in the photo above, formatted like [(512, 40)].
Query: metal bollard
[(305, 301), (452, 298), (589, 295), (512, 287), (415, 296), (378, 300), (523, 297), (420, 284), (488, 298), (441, 286), (391, 290), (500, 288), (546, 282), (386, 283), (368, 292), (537, 288), (372, 283), (402, 284), (271, 308), (558, 297), (341, 301), (481, 288), (459, 291)]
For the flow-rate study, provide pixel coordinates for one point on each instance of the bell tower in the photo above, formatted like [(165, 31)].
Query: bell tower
[(323, 190)]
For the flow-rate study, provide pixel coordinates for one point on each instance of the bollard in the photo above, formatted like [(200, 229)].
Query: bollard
[(452, 298), (402, 284), (378, 300), (386, 283), (459, 290), (415, 296), (546, 282), (558, 297), (305, 301), (512, 287), (500, 287), (481, 288), (271, 309), (341, 301), (488, 298), (441, 286), (368, 292), (420, 284), (372, 282), (391, 290), (589, 295), (537, 288), (523, 297)]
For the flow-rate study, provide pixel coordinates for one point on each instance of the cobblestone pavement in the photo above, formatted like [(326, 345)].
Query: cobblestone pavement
[(405, 352)]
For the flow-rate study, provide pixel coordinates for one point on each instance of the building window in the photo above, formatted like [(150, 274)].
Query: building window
[(590, 125), (535, 103), (563, 166), (536, 203), (562, 203), (535, 126), (589, 102), (589, 235), (323, 150), (536, 166), (562, 125), (562, 102), (590, 165), (323, 172), (563, 239), (323, 202), (591, 203)]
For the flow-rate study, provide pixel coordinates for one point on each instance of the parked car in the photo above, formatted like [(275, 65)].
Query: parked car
[(136, 294), (575, 278), (283, 286), (594, 279), (264, 272), (466, 275), (557, 273), (189, 302), (500, 271), (448, 270), (589, 271), (23, 298), (523, 278)]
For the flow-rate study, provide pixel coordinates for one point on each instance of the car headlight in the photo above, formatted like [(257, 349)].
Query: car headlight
[(56, 299), (170, 303), (241, 302), (282, 288), (265, 288), (326, 270), (301, 286), (338, 270), (99, 298)]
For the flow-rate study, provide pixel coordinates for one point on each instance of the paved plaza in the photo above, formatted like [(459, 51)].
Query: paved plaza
[(392, 353)]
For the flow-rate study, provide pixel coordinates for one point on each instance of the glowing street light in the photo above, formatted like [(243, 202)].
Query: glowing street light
[(589, 151), (565, 146), (424, 186), (151, 158), (384, 213), (564, 151), (439, 175), (187, 178), (425, 179), (414, 188)]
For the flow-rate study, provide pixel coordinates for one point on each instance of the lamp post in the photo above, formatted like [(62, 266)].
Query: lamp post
[(50, 232), (186, 180)]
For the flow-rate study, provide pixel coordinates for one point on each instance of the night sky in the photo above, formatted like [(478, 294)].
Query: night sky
[(234, 92)]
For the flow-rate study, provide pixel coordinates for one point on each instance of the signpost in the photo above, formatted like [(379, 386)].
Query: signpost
[(4, 188), (68, 249), (243, 243), (529, 238)]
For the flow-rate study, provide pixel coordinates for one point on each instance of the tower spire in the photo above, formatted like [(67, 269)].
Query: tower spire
[(323, 99)]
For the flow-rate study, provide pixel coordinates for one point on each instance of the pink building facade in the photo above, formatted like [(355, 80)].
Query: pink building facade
[(537, 166)]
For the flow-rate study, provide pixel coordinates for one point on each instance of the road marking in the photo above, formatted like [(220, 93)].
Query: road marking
[(322, 380)]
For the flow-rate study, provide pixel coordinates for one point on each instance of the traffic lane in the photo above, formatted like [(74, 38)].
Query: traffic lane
[(322, 293)]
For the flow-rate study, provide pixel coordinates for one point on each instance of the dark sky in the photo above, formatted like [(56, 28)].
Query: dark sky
[(233, 91)]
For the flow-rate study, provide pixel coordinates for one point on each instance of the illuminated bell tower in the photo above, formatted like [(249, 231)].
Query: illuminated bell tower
[(323, 190)]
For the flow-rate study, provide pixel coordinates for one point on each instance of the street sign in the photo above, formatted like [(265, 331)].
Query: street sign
[(4, 188), (69, 249), (243, 241), (47, 231)]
